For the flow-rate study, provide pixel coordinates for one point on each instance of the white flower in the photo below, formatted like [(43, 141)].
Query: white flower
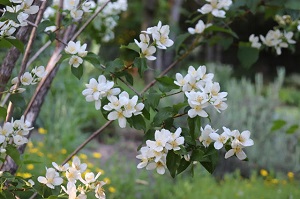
[(288, 36), (52, 178), (254, 41), (72, 174), (243, 138), (19, 140), (71, 4), (145, 41), (76, 14), (77, 165), (215, 7), (204, 138), (72, 47), (7, 129), (199, 28), (60, 167), (88, 5), (146, 153), (75, 61), (119, 115), (22, 18), (99, 192), (148, 51), (28, 7), (220, 140), (161, 138), (175, 140), (26, 79), (237, 149), (160, 166), (39, 71), (89, 178)]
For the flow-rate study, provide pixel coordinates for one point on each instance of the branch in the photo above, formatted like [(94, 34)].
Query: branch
[(86, 141)]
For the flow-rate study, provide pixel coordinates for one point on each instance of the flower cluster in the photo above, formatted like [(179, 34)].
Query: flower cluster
[(153, 156), (216, 7), (76, 184), (96, 90), (236, 140), (28, 78), (107, 20), (274, 38), (160, 37), (22, 8), (14, 132), (123, 107), (201, 91), (199, 28), (77, 51)]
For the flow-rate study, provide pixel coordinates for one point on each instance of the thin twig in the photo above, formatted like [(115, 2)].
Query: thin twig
[(44, 47), (89, 20), (129, 86), (87, 141)]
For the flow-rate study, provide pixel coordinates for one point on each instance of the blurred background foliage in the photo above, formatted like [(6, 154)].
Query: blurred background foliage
[(267, 91)]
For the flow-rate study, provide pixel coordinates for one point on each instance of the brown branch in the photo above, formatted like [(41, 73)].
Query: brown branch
[(86, 142)]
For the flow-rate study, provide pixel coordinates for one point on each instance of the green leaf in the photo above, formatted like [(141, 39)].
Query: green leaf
[(179, 40), (220, 29), (167, 84), (146, 113), (44, 24), (114, 66), (63, 57), (153, 98), (292, 129), (179, 106), (17, 100), (173, 161), (14, 154), (162, 115), (278, 124), (51, 36), (210, 159), (77, 72), (292, 4), (5, 44), (5, 2), (141, 64), (52, 197), (138, 122), (131, 46), (253, 5), (3, 113), (17, 43), (128, 78), (93, 59), (192, 126), (247, 55), (197, 155), (10, 15), (182, 165)]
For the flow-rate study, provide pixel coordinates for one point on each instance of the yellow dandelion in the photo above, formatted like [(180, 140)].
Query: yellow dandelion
[(82, 156), (30, 166), (30, 144), (111, 189), (63, 151), (50, 156), (100, 170), (290, 175), (90, 165), (40, 144), (26, 175), (41, 154), (97, 155), (274, 181), (264, 172), (19, 174), (33, 150), (106, 180), (42, 131)]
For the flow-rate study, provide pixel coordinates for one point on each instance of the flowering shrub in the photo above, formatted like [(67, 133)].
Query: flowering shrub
[(169, 146)]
